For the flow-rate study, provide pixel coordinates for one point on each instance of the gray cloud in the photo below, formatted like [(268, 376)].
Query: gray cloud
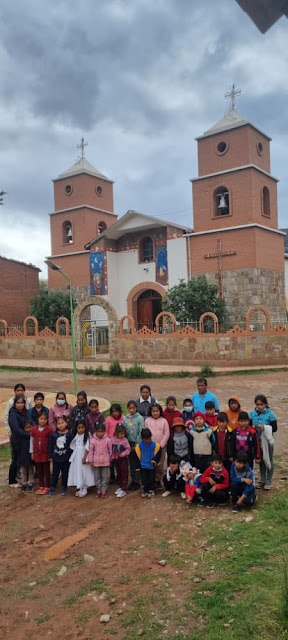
[(140, 79)]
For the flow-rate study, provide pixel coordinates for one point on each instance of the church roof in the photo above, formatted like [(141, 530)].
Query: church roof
[(232, 119), (82, 166), (134, 221)]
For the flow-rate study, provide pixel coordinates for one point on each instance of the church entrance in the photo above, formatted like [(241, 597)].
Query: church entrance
[(95, 331), (149, 304)]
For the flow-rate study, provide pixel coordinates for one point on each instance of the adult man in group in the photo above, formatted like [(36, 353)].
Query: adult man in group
[(201, 396)]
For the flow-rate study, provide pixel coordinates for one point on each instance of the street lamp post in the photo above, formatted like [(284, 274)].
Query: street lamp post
[(56, 267)]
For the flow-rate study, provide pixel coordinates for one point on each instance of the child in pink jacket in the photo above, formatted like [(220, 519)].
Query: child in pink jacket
[(159, 428), (99, 457)]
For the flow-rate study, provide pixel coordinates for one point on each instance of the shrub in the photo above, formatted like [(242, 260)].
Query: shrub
[(89, 371), (207, 371), (115, 368), (136, 371)]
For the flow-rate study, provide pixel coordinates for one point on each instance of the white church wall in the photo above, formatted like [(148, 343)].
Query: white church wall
[(124, 272), (177, 260)]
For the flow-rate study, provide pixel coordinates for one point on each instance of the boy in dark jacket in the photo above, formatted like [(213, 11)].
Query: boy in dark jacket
[(38, 408), (173, 479), (215, 483), (242, 484), (244, 439), (222, 434), (149, 454), (180, 442), (59, 453)]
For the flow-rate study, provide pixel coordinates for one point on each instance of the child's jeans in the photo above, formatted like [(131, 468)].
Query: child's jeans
[(122, 468), (43, 470), (237, 489), (63, 468), (27, 475), (102, 478)]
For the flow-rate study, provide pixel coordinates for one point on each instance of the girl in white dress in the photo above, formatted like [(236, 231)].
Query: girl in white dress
[(81, 475)]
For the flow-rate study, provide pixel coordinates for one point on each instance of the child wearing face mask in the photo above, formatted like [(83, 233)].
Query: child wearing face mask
[(60, 409), (188, 413)]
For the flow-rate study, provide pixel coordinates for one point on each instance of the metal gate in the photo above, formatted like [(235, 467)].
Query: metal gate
[(95, 339)]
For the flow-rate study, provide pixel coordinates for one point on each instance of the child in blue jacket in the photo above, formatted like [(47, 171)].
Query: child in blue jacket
[(242, 484), (265, 422), (149, 454)]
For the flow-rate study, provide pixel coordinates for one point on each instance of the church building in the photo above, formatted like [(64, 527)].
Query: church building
[(130, 262)]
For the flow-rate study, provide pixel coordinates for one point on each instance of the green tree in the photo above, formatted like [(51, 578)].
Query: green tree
[(187, 301), (47, 307)]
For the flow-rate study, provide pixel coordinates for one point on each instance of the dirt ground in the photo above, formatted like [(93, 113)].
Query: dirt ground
[(124, 540)]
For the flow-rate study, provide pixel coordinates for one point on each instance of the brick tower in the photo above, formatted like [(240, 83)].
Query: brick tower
[(83, 203), (236, 242)]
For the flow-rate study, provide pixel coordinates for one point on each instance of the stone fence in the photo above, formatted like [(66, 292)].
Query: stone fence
[(30, 343)]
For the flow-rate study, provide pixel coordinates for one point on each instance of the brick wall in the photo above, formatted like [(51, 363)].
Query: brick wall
[(18, 283)]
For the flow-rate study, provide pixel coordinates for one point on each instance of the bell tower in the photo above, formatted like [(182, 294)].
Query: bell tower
[(83, 209), (236, 242)]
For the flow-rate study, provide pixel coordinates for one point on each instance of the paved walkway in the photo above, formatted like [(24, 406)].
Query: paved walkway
[(66, 365)]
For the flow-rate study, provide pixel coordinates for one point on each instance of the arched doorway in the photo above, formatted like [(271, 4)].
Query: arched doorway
[(95, 324), (149, 304)]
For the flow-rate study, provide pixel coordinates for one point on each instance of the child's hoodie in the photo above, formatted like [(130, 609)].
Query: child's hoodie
[(133, 425), (159, 429), (111, 424), (238, 477), (233, 415), (100, 451)]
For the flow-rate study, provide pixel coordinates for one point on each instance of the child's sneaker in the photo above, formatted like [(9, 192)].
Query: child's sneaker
[(45, 490), (117, 491), (144, 495), (200, 502), (210, 506), (29, 488), (40, 491), (121, 493), (103, 494), (24, 487), (183, 495), (98, 494), (63, 491), (51, 493), (267, 487), (166, 494), (151, 494), (236, 509)]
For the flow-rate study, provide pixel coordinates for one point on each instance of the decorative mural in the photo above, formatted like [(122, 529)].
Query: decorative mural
[(161, 264), (97, 274)]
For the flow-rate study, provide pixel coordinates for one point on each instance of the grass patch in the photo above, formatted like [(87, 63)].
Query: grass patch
[(94, 585), (5, 453), (44, 618), (136, 371)]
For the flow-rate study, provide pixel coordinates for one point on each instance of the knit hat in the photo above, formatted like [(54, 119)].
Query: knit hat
[(178, 422), (199, 413)]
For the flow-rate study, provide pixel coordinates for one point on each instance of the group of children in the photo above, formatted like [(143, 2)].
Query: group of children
[(210, 453)]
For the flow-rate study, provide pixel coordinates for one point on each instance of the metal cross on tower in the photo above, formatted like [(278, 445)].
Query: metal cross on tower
[(231, 95), (82, 146), (219, 255)]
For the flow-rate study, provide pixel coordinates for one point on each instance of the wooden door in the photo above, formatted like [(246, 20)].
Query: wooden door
[(145, 313)]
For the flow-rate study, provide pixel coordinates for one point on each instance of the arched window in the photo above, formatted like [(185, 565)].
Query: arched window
[(221, 202), (266, 201), (146, 249), (67, 235), (102, 226)]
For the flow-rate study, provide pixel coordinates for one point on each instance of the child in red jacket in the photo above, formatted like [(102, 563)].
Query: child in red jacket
[(171, 412), (39, 449), (215, 483)]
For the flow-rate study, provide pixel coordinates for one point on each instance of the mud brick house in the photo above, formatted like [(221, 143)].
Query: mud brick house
[(19, 282)]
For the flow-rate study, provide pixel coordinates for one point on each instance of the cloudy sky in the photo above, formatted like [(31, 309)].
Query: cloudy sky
[(139, 79)]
